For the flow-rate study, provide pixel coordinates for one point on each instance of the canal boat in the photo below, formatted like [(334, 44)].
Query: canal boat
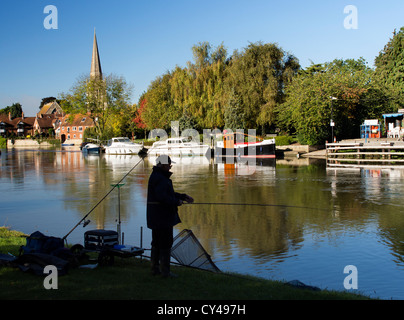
[(181, 146), (234, 145), (122, 145)]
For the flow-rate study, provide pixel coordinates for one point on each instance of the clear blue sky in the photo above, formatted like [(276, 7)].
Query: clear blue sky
[(141, 40)]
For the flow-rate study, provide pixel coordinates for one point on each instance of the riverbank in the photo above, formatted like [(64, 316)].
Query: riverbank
[(130, 279)]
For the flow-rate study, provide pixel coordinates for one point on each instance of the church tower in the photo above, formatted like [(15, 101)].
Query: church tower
[(96, 72)]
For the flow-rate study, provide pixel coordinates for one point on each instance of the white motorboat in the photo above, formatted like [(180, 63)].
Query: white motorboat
[(122, 145), (178, 146)]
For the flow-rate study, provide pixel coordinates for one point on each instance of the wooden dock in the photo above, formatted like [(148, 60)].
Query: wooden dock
[(366, 150)]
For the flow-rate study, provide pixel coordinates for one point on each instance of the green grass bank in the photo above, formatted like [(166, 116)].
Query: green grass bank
[(131, 279)]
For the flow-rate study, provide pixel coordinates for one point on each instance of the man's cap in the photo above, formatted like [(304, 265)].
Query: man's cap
[(164, 159)]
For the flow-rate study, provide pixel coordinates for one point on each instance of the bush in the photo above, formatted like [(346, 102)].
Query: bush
[(283, 140), (3, 143)]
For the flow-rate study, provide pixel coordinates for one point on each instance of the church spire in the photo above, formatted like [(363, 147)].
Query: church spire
[(96, 72)]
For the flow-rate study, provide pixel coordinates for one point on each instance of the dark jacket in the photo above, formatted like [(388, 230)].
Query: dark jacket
[(162, 201)]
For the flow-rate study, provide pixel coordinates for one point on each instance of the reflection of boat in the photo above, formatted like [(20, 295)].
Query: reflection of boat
[(178, 146), (233, 145), (122, 145), (91, 148), (184, 161)]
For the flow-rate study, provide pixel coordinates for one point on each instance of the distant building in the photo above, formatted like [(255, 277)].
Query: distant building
[(72, 131), (48, 118), (51, 116), (18, 127), (96, 71), (51, 108)]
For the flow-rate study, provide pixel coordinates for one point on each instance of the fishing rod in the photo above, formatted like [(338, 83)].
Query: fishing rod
[(113, 187), (246, 204), (253, 204)]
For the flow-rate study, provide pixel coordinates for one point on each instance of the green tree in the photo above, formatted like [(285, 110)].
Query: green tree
[(213, 88), (258, 76), (15, 110), (102, 100), (46, 101), (342, 90), (233, 113), (389, 72)]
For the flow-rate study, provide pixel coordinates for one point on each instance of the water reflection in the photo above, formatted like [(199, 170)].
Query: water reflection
[(320, 218)]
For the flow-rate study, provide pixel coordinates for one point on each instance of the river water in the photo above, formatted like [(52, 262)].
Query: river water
[(317, 221)]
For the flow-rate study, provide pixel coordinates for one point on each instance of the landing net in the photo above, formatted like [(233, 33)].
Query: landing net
[(188, 251)]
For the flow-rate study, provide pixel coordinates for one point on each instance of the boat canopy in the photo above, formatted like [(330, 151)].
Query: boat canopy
[(393, 115)]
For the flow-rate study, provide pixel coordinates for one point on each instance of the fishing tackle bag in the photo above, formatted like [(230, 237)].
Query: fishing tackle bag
[(37, 242)]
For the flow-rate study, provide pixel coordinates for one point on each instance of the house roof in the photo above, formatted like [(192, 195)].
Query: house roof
[(4, 118), (45, 122), (50, 108), (78, 120), (29, 121), (26, 120)]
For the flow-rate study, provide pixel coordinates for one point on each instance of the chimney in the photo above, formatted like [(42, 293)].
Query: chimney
[(22, 116), (9, 116)]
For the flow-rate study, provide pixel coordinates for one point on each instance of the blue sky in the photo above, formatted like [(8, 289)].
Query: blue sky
[(141, 40)]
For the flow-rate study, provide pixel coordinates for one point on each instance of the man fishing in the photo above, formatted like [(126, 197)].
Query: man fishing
[(162, 214)]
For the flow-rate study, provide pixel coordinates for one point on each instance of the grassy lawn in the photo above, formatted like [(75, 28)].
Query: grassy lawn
[(131, 279)]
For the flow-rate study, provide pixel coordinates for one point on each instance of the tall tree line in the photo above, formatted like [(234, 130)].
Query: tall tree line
[(264, 87), (217, 90)]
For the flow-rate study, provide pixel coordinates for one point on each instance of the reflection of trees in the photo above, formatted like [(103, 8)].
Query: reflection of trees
[(267, 231), (352, 201), (88, 189), (82, 181), (259, 230)]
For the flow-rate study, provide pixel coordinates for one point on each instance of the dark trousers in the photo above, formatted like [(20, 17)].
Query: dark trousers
[(162, 241)]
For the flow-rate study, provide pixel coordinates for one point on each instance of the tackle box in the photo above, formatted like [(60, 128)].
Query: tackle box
[(98, 239)]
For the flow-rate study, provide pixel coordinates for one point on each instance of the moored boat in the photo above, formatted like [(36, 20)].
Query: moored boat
[(234, 145), (178, 146), (91, 148), (122, 145)]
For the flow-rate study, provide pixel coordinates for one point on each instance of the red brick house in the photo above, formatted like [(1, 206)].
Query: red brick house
[(72, 131)]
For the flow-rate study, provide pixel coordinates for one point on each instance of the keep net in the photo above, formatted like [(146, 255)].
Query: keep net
[(188, 251)]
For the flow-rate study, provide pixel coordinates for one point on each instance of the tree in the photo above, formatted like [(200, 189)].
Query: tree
[(46, 101), (215, 88), (258, 76), (101, 99), (233, 113), (160, 109), (309, 101), (389, 73), (15, 110), (138, 120)]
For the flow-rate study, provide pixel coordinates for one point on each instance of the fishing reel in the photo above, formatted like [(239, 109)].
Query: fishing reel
[(85, 223)]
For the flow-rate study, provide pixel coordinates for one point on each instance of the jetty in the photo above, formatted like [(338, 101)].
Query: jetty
[(366, 150)]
